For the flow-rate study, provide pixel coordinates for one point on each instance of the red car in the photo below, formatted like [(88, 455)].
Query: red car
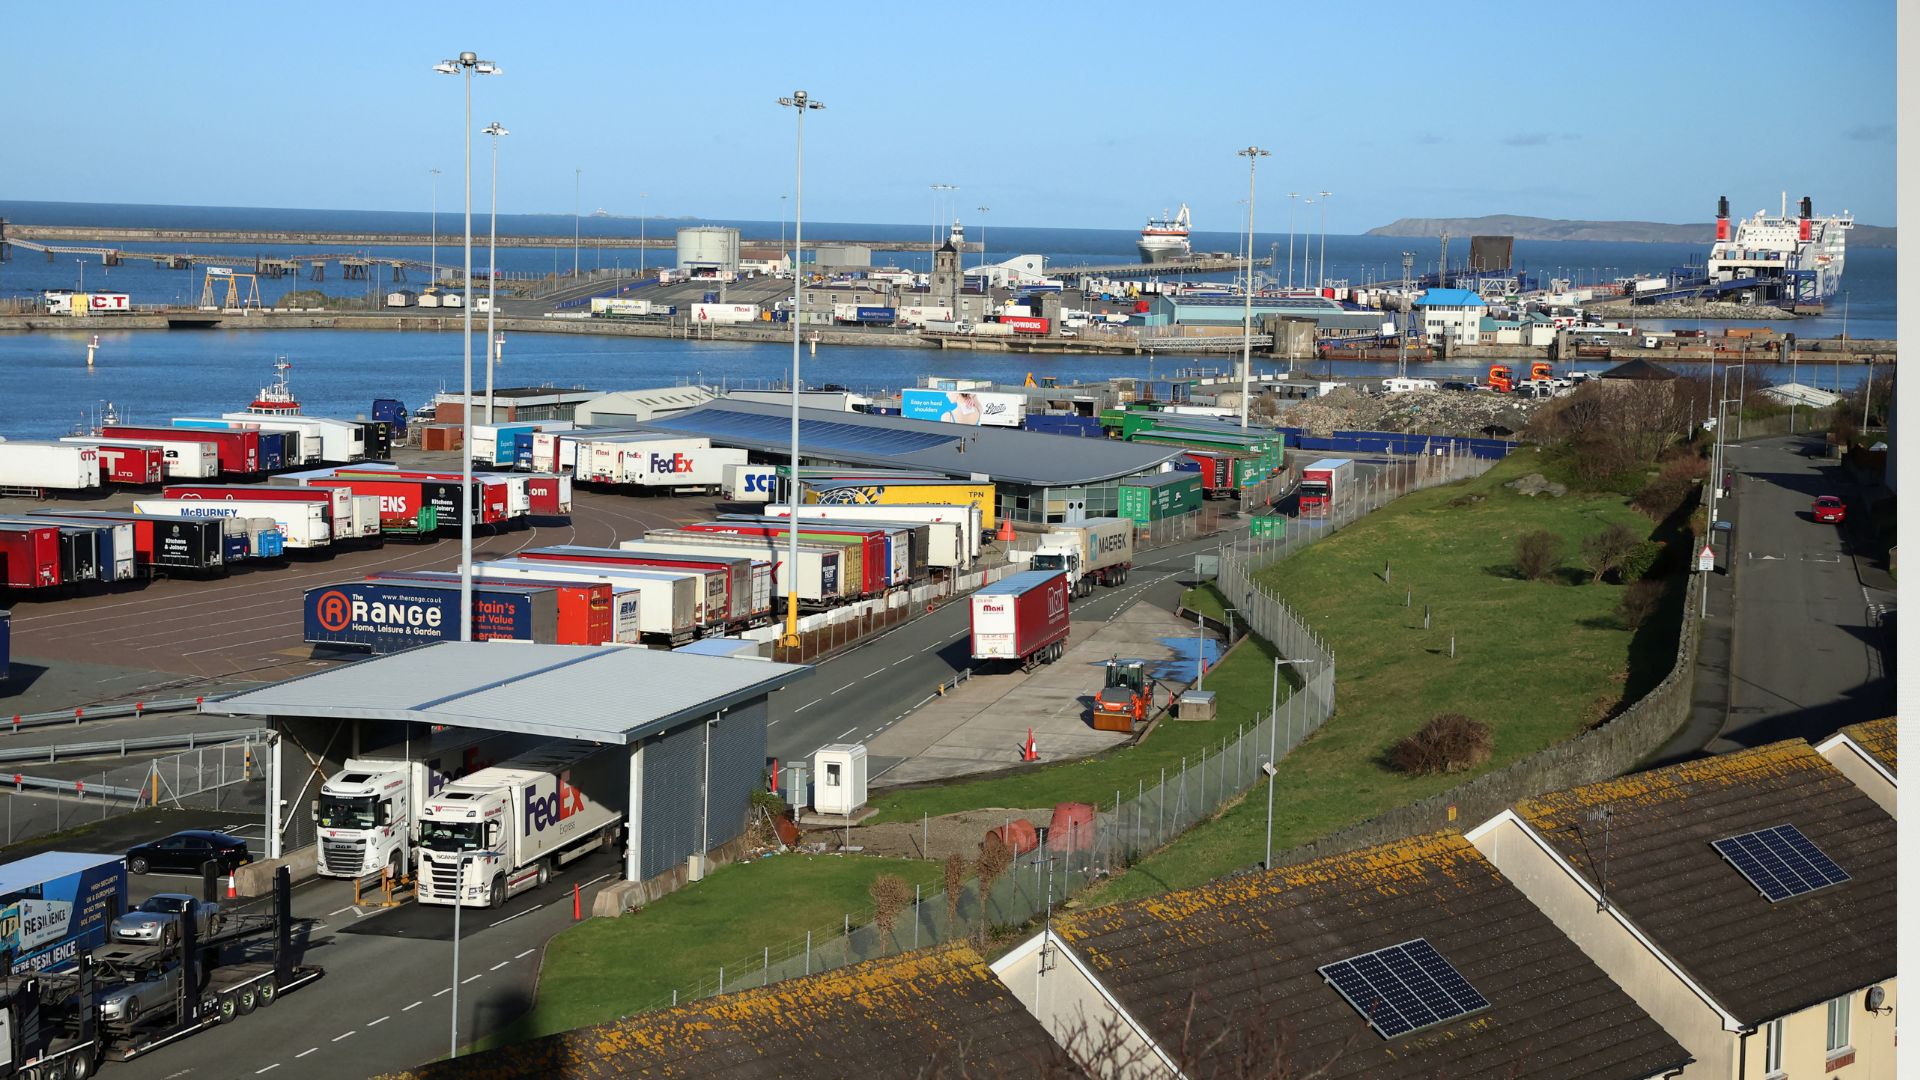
[(1829, 508)]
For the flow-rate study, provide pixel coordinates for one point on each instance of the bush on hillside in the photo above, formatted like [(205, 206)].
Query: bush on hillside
[(1537, 554), (1603, 552), (1606, 432), (1450, 742), (1638, 604), (1640, 561), (1676, 482)]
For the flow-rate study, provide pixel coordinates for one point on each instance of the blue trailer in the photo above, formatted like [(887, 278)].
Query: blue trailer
[(885, 315), (390, 616), (55, 904)]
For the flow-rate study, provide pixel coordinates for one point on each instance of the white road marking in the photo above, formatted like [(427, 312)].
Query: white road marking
[(808, 705), (437, 993), (346, 1035), (846, 687), (933, 646), (269, 1068), (311, 1049), (584, 884), (331, 914), (500, 965), (846, 733), (413, 1006), (900, 661), (382, 1020), (470, 978), (521, 953), (516, 915), (871, 674)]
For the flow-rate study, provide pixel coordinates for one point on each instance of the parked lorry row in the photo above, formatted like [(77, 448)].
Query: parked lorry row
[(240, 445)]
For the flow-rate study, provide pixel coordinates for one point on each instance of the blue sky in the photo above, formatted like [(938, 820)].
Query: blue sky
[(1054, 115)]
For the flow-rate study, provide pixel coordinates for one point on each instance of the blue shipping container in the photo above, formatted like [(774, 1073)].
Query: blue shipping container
[(873, 314), (1083, 426), (57, 903), (273, 450), (389, 617), (523, 448)]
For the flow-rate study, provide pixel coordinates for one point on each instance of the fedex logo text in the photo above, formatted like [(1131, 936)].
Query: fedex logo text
[(545, 810), (669, 463)]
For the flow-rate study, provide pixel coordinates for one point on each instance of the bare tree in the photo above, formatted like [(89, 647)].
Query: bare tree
[(1603, 551)]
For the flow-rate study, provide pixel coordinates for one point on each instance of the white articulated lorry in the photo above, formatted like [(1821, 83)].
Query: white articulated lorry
[(368, 813), (1094, 550), (506, 829)]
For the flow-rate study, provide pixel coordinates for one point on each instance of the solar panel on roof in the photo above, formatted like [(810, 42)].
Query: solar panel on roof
[(1781, 862), (1403, 988)]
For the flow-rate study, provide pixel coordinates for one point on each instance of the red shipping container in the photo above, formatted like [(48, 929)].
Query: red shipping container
[(30, 557), (585, 608), (133, 464), (238, 451)]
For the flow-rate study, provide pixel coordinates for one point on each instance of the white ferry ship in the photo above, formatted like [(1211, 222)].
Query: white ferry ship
[(1165, 237), (1795, 262)]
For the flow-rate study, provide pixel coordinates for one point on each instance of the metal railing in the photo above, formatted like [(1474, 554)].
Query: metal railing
[(226, 776), (119, 747)]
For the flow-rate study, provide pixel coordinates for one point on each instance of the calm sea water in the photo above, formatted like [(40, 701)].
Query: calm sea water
[(46, 389)]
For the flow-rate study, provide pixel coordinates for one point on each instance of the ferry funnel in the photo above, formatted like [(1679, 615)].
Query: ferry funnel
[(1720, 221), (1806, 218)]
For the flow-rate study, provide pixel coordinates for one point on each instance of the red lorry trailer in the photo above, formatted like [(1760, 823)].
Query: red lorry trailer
[(30, 557), (717, 576), (1323, 486), (547, 495), (749, 581), (132, 464), (238, 451), (876, 561), (1022, 618), (402, 500), (585, 607)]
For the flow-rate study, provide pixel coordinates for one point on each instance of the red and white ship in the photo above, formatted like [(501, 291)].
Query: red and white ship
[(276, 400), (1165, 237)]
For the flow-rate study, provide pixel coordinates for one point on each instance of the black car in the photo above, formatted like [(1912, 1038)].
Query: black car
[(187, 851)]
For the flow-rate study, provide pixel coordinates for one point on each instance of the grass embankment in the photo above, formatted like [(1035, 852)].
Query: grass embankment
[(606, 968), (1243, 681), (1537, 661)]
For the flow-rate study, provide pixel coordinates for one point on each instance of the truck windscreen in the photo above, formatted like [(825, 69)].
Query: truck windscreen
[(346, 812), (450, 835), (1048, 562)]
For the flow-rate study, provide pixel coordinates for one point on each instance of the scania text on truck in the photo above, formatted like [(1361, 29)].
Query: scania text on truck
[(1323, 486), (1095, 550), (368, 813), (506, 829), (1022, 618)]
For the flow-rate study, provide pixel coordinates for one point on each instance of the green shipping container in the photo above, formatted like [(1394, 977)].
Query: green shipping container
[(1162, 495)]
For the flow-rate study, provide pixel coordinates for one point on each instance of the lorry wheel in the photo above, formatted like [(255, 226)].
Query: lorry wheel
[(228, 1008), (394, 867), (246, 999), (497, 895), (82, 1067), (265, 991), (546, 874)]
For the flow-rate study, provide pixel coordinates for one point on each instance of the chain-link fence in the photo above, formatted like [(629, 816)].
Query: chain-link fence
[(227, 777)]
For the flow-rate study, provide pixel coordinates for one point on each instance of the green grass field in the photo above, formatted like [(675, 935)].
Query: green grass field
[(1537, 661), (605, 968), (1244, 678)]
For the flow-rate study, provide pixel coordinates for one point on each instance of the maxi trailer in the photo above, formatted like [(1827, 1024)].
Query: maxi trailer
[(1022, 618), (238, 451)]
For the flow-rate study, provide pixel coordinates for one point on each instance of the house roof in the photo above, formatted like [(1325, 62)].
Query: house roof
[(855, 438), (930, 1013), (1877, 737), (1759, 960), (584, 692), (1450, 298), (1642, 370), (1244, 953)]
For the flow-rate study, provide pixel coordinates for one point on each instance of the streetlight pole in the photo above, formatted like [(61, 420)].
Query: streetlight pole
[(983, 234), (1291, 195), (1324, 196), (433, 240), (799, 103), (1253, 154), (1306, 253), (643, 236), (576, 223), (466, 67), (1272, 767), (493, 220)]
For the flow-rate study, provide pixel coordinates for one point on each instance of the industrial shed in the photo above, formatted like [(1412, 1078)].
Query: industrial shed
[(695, 728), (1041, 479)]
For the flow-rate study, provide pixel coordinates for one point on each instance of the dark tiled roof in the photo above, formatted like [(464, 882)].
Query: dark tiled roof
[(1641, 370), (931, 1013), (1877, 737), (1242, 956), (1759, 960)]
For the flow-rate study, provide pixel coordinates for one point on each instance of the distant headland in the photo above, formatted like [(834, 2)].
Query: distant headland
[(1536, 228)]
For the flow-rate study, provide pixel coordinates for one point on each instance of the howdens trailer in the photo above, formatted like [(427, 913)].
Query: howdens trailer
[(519, 821)]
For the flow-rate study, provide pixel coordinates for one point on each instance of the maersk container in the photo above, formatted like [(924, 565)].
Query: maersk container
[(239, 451), (30, 556), (1023, 617), (671, 604), (60, 466), (586, 609), (185, 458), (817, 580), (117, 557), (303, 524), (391, 616), (715, 577), (1159, 495)]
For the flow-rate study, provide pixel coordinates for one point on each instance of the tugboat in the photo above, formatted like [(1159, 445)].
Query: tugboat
[(278, 399)]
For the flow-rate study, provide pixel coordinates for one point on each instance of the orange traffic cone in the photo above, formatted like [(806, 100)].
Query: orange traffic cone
[(1029, 752), (232, 893), (1006, 531)]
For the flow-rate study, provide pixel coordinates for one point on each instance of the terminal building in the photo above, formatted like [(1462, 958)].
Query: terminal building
[(1330, 317), (1039, 479)]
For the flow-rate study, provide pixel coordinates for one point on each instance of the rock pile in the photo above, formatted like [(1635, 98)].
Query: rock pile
[(1438, 412)]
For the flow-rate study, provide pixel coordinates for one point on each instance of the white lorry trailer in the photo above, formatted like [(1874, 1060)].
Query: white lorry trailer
[(818, 579), (58, 465), (368, 813), (504, 830), (186, 459), (953, 534), (340, 440), (672, 603), (303, 524), (1095, 550)]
